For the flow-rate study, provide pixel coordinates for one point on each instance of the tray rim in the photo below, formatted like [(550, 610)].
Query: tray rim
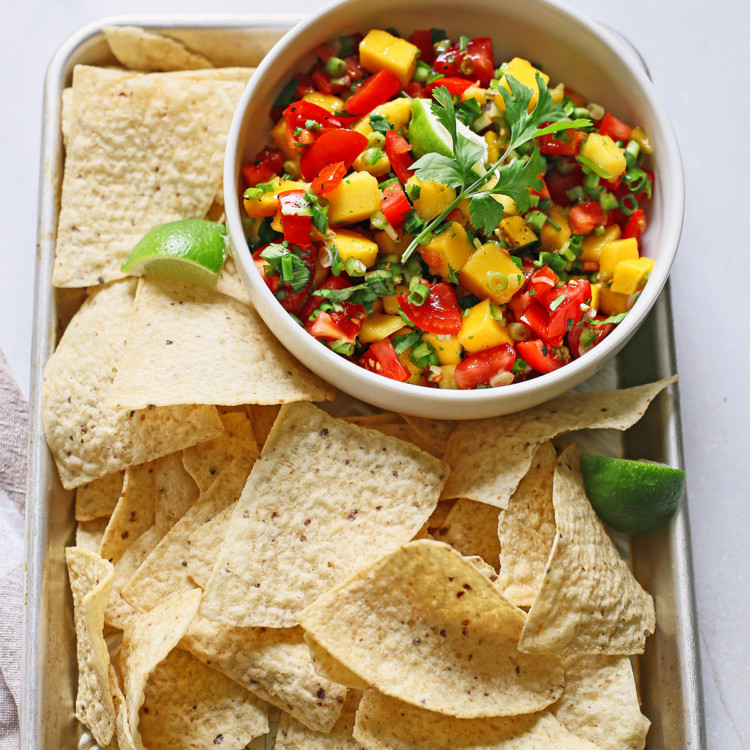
[(43, 327)]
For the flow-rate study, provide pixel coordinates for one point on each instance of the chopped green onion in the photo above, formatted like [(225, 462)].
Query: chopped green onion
[(423, 355), (496, 281), (591, 185), (384, 184), (335, 67), (632, 150), (497, 314), (600, 230), (581, 113), (423, 72), (378, 220), (575, 193), (481, 123), (372, 155), (520, 332), (608, 201), (355, 267), (536, 220), (592, 166), (419, 293), (587, 337), (342, 346), (406, 341), (287, 268), (611, 319), (636, 180), (441, 45), (292, 169), (375, 139), (596, 111), (463, 43), (466, 67), (628, 204), (557, 302)]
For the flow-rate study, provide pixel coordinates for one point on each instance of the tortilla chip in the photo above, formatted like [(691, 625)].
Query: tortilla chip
[(189, 705), (123, 737), (406, 432), (471, 528), (66, 114), (527, 531), (435, 432), (166, 571), (147, 640), (203, 544), (119, 612), (98, 498), (295, 736), (423, 625), (383, 723), (88, 439), (204, 461), (275, 664), (332, 669), (138, 49), (600, 702), (90, 582), (489, 457), (89, 534), (589, 601), (193, 345), (175, 491), (371, 420), (263, 417), (143, 150), (314, 509)]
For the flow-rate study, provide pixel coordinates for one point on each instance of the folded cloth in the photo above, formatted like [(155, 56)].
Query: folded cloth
[(14, 428)]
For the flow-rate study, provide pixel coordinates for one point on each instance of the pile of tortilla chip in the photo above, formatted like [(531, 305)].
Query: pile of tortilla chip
[(363, 580)]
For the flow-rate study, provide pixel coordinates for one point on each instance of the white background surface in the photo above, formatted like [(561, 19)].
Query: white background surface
[(699, 57)]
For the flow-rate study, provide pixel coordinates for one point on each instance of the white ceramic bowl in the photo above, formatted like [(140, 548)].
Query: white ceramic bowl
[(571, 48)]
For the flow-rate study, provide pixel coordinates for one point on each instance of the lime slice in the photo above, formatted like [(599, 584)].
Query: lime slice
[(427, 135), (634, 497), (191, 250)]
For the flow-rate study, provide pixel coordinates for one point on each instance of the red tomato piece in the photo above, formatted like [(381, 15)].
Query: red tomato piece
[(329, 178), (326, 84), (299, 115), (290, 300), (396, 149), (371, 93), (324, 51), (585, 337), (540, 356), (267, 164), (272, 282), (616, 129), (519, 303), (636, 225), (455, 86), (395, 205), (542, 280), (477, 61), (439, 313), (333, 326), (558, 184), (585, 217), (480, 368), (565, 143), (422, 38), (312, 304), (333, 145), (563, 305), (381, 358), (536, 318), (296, 226)]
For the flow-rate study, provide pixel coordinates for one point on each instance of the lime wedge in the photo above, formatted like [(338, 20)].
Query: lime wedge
[(427, 135), (191, 250), (634, 497)]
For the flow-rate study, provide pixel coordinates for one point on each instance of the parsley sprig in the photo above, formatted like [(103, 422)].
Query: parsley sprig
[(514, 179)]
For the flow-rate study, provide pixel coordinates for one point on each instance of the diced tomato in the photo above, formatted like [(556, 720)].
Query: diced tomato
[(353, 69), (326, 84), (333, 326), (536, 318), (290, 300), (315, 301), (519, 303), (616, 129), (422, 38), (439, 313), (543, 192), (565, 143), (272, 282), (480, 368), (298, 115), (381, 358), (563, 305), (540, 356), (296, 226), (415, 89), (455, 86), (636, 225), (542, 280), (325, 51), (329, 178), (558, 184), (585, 337), (371, 93), (304, 85), (332, 146), (395, 204), (585, 217), (477, 61), (267, 164), (396, 149)]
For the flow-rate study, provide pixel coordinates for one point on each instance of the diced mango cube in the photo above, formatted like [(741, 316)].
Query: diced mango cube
[(378, 168), (327, 101), (447, 252), (490, 273), (595, 295), (493, 145), (614, 252), (416, 373), (641, 138), (516, 231), (448, 379), (390, 304), (475, 92), (278, 134), (448, 352), (592, 246), (612, 303), (268, 203), (380, 50), (525, 73), (605, 153), (479, 330), (397, 112), (355, 199), (353, 245), (389, 246), (433, 199), (553, 239), (629, 275), (378, 327)]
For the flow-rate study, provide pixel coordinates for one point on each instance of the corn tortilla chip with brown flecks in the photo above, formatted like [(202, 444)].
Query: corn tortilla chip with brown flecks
[(324, 498), (426, 626), (88, 439), (191, 344), (435, 432), (384, 723), (89, 534), (471, 528), (138, 49), (489, 457), (98, 498), (589, 602), (332, 669)]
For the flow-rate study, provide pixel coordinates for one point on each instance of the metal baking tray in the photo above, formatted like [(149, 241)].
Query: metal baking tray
[(669, 669)]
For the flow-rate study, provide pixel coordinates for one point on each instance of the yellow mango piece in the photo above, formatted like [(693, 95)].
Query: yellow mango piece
[(612, 303), (434, 197), (516, 231), (448, 352), (553, 239), (378, 168), (329, 102), (479, 330), (493, 145), (630, 275), (390, 304), (380, 50), (490, 273), (595, 295), (478, 93), (353, 245), (268, 203), (605, 153), (389, 246), (355, 199), (448, 377), (379, 326), (524, 72), (614, 252), (640, 137), (397, 112), (416, 373), (448, 251), (278, 134), (592, 246)]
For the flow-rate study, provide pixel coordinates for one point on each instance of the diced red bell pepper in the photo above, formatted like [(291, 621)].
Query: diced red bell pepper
[(299, 114), (540, 356), (422, 39), (585, 217), (333, 145), (381, 358), (636, 225), (329, 178), (565, 143), (333, 326), (267, 164), (616, 129), (439, 313), (480, 368), (397, 150), (395, 204), (296, 226), (455, 86), (478, 61), (371, 93)]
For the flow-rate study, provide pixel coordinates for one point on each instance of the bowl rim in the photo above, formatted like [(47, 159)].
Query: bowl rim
[(537, 389)]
